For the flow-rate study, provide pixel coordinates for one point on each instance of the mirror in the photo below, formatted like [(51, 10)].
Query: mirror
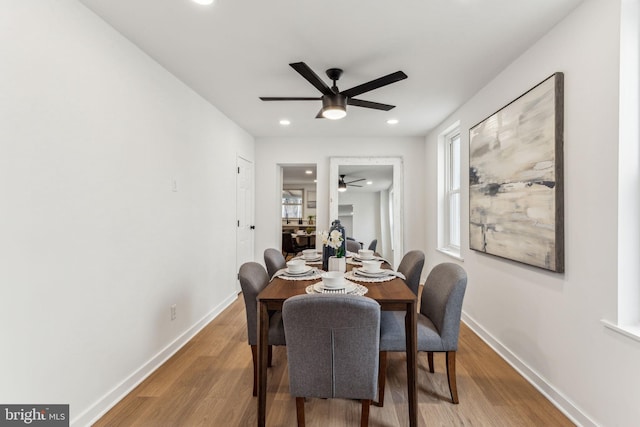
[(298, 207), (369, 211)]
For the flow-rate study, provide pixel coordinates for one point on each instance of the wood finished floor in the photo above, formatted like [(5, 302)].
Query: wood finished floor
[(208, 383)]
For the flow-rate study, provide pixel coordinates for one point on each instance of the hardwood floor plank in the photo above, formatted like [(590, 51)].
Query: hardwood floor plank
[(209, 381)]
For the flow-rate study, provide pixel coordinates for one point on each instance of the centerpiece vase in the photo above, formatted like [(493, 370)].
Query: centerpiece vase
[(337, 264), (328, 252)]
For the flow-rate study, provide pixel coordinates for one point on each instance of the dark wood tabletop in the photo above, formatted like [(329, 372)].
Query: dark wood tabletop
[(392, 295)]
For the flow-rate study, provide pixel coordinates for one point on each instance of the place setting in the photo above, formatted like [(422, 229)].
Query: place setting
[(371, 272), (364, 255), (310, 256), (334, 282), (297, 269)]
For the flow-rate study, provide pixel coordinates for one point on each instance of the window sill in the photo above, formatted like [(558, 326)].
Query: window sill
[(451, 253), (631, 331)]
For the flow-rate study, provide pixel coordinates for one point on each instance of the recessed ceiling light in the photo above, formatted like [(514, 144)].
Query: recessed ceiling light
[(315, 180), (392, 121), (285, 122), (203, 2), (369, 182), (308, 172)]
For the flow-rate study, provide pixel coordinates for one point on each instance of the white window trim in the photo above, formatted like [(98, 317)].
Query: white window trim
[(444, 245), (627, 322)]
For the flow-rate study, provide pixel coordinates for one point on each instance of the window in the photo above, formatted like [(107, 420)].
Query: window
[(628, 307), (449, 191), (291, 204)]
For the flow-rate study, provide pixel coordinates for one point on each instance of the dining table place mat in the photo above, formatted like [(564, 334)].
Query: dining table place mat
[(352, 276), (359, 290)]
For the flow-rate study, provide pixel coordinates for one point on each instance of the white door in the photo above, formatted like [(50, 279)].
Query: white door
[(244, 211)]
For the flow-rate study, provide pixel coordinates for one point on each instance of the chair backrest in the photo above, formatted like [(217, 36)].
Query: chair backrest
[(253, 278), (373, 245), (441, 301), (353, 246), (333, 342), (274, 260), (287, 243), (411, 266)]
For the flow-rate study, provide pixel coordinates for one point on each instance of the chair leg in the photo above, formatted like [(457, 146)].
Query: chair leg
[(364, 416), (382, 378), (430, 360), (270, 356), (300, 411), (451, 375), (254, 356)]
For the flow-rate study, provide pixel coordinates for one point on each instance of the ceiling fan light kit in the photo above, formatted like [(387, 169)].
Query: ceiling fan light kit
[(334, 107), (334, 101)]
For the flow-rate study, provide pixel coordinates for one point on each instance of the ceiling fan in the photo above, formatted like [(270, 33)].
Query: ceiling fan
[(342, 184), (334, 101)]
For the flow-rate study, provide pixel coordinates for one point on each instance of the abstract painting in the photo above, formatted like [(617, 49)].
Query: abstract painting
[(516, 179)]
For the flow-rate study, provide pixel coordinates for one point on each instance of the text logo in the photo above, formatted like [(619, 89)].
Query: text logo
[(34, 415)]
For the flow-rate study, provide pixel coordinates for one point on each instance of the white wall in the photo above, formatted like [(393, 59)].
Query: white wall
[(95, 246), (548, 324), (366, 215), (271, 152)]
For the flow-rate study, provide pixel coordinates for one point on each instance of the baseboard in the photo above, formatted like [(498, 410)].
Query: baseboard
[(559, 400), (109, 400)]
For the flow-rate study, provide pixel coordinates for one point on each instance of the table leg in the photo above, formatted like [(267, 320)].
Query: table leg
[(412, 362), (263, 337)]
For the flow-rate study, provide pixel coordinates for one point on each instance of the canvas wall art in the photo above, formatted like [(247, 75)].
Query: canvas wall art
[(516, 181)]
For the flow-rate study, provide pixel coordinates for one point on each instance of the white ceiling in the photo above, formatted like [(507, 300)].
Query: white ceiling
[(234, 51)]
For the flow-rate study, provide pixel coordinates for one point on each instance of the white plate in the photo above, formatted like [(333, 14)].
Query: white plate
[(348, 287), (361, 272), (318, 258), (305, 270)]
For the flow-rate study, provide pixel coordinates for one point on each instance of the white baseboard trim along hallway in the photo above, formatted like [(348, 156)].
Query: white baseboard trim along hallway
[(101, 406)]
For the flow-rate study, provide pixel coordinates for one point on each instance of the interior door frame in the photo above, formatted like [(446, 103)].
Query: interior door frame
[(398, 185)]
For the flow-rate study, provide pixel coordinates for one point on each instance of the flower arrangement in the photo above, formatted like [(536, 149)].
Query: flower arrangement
[(333, 240)]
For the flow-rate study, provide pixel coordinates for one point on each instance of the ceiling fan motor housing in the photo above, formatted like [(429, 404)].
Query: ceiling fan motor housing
[(335, 100)]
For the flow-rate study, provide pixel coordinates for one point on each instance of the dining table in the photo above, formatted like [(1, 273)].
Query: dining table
[(392, 295)]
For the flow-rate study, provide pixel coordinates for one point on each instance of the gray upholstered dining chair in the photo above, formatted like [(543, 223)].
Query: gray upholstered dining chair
[(373, 245), (411, 267), (353, 246), (274, 260), (253, 279), (332, 348), (438, 323)]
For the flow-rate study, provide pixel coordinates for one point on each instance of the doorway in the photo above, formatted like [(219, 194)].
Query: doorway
[(298, 206)]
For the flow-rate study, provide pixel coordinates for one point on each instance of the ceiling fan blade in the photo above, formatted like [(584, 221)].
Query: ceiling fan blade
[(319, 115), (306, 72), (369, 104), (288, 98), (374, 84), (352, 185), (355, 180)]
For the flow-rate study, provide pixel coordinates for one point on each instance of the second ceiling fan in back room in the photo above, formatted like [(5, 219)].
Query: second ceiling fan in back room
[(334, 101), (342, 184)]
